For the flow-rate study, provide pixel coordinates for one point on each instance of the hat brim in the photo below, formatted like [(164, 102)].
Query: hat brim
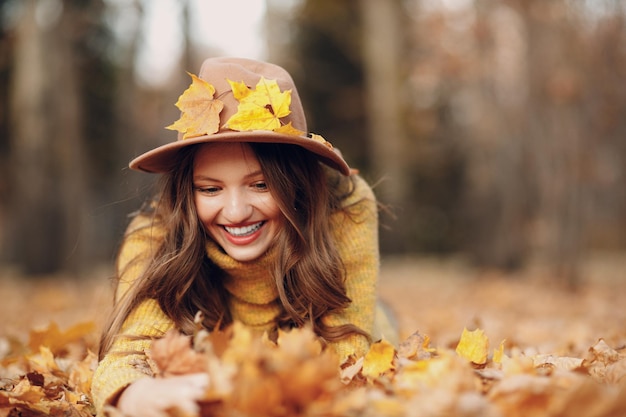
[(162, 159)]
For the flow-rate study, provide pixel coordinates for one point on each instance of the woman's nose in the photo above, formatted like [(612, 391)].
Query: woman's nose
[(237, 208)]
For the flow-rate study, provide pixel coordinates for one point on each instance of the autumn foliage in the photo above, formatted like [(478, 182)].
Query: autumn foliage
[(488, 345), (260, 108), (297, 377), (50, 376)]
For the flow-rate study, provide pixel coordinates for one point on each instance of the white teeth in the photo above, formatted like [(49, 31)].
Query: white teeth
[(243, 231)]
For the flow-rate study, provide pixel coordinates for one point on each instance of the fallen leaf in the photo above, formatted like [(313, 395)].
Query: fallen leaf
[(350, 370), (498, 354), (416, 346), (379, 359), (473, 346), (57, 340), (173, 355)]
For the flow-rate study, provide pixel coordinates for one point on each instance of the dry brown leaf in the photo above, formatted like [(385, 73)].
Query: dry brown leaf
[(557, 362), (416, 346), (616, 373), (81, 373), (349, 370), (602, 352), (173, 355), (57, 340), (563, 394)]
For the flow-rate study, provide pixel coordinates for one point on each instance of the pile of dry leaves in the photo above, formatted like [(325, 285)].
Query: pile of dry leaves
[(296, 377), (51, 376), (532, 350)]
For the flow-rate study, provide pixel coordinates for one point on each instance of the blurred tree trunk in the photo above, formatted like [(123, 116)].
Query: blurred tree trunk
[(498, 207), (127, 130), (556, 63), (48, 191), (383, 48), (537, 135), (6, 52)]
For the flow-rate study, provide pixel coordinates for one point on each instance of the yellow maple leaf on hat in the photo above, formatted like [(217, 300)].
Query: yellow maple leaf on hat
[(288, 129), (200, 111), (321, 140), (261, 108)]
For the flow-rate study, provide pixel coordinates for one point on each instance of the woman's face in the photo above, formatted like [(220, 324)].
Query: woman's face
[(233, 201)]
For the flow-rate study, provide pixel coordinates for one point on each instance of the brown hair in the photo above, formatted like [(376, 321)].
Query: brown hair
[(309, 273)]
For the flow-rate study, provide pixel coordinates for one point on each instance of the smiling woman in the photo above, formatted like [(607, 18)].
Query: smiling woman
[(257, 222), (233, 200)]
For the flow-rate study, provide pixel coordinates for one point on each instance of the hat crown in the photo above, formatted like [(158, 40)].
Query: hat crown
[(228, 102), (218, 72)]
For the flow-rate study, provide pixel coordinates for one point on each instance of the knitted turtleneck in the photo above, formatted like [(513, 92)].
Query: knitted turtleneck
[(251, 286)]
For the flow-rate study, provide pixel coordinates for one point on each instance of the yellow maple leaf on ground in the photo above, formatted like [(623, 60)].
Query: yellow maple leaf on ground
[(473, 346), (498, 354), (200, 111), (379, 359), (261, 108)]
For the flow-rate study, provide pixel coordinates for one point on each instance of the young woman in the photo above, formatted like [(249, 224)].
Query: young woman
[(255, 222)]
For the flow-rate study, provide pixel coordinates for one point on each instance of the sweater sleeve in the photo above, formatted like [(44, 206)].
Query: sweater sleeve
[(126, 360), (356, 235)]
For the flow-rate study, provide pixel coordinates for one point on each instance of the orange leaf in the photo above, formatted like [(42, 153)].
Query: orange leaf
[(57, 340), (43, 362), (82, 372), (200, 111), (173, 355), (28, 396)]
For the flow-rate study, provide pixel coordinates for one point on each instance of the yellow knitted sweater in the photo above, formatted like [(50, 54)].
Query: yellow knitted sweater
[(253, 295)]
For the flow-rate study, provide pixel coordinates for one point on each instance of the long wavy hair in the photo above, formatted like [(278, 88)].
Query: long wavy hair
[(308, 272)]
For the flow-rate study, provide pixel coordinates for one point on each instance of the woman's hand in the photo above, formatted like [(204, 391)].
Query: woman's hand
[(152, 397)]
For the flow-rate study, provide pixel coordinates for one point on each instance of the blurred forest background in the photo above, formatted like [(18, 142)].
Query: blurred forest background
[(494, 129)]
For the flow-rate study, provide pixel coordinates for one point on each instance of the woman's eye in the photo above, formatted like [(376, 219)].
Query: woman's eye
[(260, 186), (207, 190)]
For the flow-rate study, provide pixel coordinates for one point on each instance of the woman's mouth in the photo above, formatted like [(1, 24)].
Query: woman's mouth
[(244, 230)]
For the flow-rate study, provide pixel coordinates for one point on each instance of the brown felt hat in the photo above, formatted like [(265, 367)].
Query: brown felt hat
[(217, 72)]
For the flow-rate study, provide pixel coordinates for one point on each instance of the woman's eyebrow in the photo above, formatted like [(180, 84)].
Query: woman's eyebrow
[(208, 178), (254, 174), (204, 178)]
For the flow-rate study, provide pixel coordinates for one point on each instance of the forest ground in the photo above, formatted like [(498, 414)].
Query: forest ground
[(437, 297)]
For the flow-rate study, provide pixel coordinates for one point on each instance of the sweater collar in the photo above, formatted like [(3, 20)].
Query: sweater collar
[(252, 281)]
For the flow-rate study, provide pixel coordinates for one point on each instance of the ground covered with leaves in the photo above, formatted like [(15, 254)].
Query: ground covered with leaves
[(473, 343)]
